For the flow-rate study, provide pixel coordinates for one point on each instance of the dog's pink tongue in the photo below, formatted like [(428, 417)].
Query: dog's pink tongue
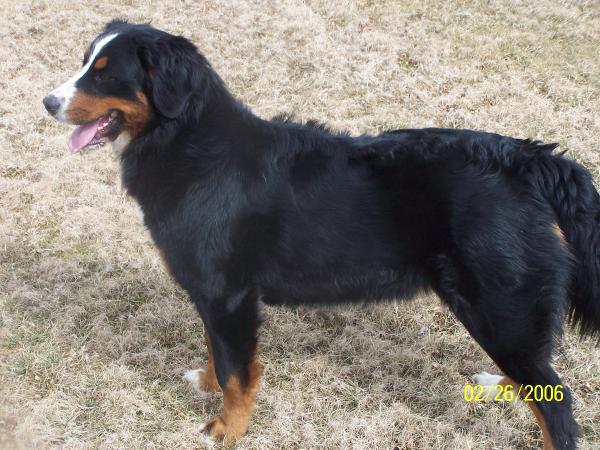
[(82, 136)]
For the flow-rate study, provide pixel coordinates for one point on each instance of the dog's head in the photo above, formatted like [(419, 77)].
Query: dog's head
[(133, 76)]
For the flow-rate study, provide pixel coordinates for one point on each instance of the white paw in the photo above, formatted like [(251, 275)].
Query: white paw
[(205, 439), (193, 377), (490, 383)]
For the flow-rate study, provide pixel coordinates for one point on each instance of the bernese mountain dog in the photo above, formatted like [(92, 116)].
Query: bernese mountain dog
[(246, 211)]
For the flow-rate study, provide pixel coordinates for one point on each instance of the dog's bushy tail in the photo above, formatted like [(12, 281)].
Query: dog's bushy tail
[(569, 189)]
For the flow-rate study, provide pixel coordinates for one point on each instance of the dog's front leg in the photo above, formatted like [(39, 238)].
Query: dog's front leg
[(232, 326)]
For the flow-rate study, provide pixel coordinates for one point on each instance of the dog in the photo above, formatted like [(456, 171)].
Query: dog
[(246, 211)]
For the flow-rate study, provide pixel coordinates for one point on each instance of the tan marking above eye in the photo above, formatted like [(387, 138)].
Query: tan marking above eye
[(101, 63)]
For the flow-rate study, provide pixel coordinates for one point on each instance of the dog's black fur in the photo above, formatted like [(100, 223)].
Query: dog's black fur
[(248, 210)]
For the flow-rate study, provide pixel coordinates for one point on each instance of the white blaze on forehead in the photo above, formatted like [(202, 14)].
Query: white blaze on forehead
[(65, 91)]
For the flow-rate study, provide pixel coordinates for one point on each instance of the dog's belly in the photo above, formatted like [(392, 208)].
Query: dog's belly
[(342, 287)]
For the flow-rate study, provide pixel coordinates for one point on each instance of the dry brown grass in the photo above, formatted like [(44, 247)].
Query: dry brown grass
[(94, 335)]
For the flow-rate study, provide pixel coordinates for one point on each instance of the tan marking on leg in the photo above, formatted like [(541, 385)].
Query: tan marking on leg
[(208, 380), (548, 445), (101, 63), (238, 404)]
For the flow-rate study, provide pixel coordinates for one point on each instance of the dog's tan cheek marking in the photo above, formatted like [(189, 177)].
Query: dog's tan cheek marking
[(143, 114), (238, 404), (548, 445), (85, 108), (101, 63)]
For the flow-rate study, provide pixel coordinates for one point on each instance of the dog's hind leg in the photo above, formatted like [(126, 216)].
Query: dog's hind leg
[(495, 384), (517, 327)]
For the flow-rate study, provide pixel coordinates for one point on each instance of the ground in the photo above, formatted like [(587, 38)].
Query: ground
[(94, 335)]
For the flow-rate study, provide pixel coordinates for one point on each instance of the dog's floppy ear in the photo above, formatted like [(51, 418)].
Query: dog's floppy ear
[(175, 71)]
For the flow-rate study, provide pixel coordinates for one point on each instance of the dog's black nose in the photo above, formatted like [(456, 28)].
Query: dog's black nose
[(52, 104)]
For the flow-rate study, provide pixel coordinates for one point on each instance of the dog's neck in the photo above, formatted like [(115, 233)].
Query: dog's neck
[(213, 111)]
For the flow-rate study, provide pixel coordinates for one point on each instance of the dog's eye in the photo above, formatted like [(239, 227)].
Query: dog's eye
[(103, 77)]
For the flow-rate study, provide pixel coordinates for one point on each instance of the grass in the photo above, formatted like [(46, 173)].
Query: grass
[(94, 336)]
